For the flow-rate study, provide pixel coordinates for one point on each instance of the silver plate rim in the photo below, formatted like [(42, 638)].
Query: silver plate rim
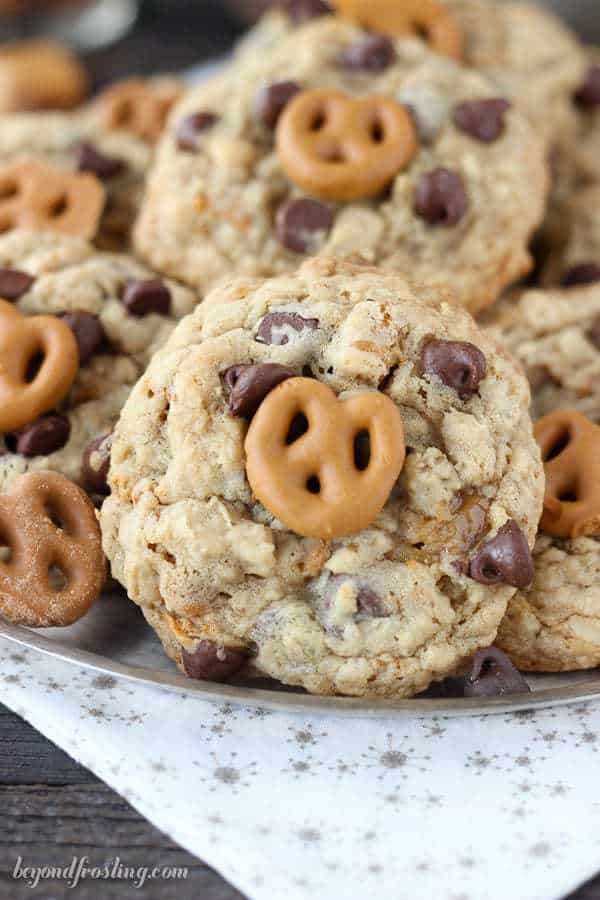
[(290, 702)]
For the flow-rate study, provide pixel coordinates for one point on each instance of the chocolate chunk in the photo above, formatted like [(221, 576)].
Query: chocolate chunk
[(506, 559), (89, 159), (582, 273), (482, 119), (40, 438), (440, 197), (594, 333), (459, 365), (190, 127), (300, 221), (302, 10), (373, 54), (14, 283), (88, 332), (95, 463), (492, 675), (278, 327), (369, 604), (249, 385), (211, 662), (144, 297), (587, 95), (272, 100)]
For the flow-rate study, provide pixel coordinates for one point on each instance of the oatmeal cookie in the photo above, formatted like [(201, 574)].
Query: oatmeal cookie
[(382, 610)]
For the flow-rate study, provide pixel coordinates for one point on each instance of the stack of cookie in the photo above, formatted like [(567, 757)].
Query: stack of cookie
[(329, 472)]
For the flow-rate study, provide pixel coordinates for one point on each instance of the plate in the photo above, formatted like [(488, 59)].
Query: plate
[(114, 639)]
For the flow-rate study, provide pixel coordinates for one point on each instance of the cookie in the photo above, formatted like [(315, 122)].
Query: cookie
[(40, 75), (555, 335), (574, 257), (312, 391), (102, 317), (418, 166), (554, 626)]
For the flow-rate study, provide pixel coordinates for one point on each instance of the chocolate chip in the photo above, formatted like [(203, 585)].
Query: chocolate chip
[(300, 221), (272, 100), (249, 385), (89, 159), (14, 283), (587, 95), (212, 662), (373, 54), (302, 10), (506, 559), (190, 127), (492, 675), (144, 297), (88, 332), (540, 376), (594, 333), (278, 327), (582, 273), (369, 604), (458, 364), (440, 197), (482, 119), (40, 438), (95, 463)]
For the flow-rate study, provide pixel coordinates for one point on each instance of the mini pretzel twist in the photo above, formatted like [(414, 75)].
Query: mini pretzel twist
[(427, 18), (26, 341), (55, 567), (306, 459), (40, 197), (339, 148), (138, 107), (570, 446)]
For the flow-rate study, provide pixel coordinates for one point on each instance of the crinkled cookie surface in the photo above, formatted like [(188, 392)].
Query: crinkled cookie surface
[(383, 612), (215, 197)]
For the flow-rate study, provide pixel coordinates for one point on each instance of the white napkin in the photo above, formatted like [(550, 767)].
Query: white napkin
[(298, 807)]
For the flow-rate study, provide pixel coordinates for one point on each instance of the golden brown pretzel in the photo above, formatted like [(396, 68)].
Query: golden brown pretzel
[(55, 567), (138, 106), (40, 197), (571, 453), (427, 18), (339, 148), (26, 341), (319, 481)]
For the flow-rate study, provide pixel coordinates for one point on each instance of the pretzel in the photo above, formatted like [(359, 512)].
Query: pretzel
[(424, 18), (138, 107), (304, 449), (571, 453), (40, 197), (24, 342), (55, 567), (336, 147)]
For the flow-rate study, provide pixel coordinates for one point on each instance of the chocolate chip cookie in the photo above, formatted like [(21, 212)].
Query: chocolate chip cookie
[(346, 143), (328, 479), (574, 259), (77, 328)]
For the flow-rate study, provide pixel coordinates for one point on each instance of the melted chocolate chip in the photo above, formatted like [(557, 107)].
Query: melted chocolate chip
[(302, 10), (192, 126), (272, 100), (587, 95), (277, 328), (505, 559), (482, 119), (299, 222), (95, 463), (440, 197), (40, 438), (144, 297), (89, 159), (369, 604), (249, 385), (14, 283), (211, 662), (373, 54), (582, 273), (492, 675), (88, 332), (594, 333), (458, 364)]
